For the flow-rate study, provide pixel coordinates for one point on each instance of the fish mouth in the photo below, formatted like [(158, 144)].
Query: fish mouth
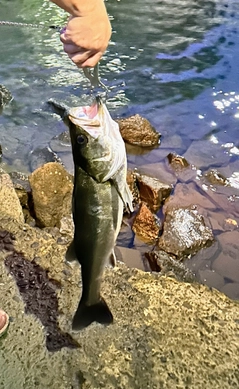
[(88, 117)]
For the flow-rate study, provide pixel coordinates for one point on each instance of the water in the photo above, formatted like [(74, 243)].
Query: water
[(174, 62)]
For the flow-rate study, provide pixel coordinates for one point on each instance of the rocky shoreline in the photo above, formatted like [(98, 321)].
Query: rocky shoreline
[(166, 334)]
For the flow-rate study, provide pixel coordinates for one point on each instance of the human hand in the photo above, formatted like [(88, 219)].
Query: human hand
[(86, 37)]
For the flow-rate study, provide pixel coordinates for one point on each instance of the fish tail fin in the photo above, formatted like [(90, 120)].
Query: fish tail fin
[(87, 314)]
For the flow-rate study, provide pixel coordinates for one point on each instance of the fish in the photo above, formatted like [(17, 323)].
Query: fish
[(99, 196)]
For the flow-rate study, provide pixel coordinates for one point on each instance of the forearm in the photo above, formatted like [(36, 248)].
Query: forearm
[(79, 7)]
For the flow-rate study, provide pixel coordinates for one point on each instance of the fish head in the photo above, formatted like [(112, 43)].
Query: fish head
[(97, 145)]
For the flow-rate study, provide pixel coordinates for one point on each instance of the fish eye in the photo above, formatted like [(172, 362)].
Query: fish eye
[(81, 140)]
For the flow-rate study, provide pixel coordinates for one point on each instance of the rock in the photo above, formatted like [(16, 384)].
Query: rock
[(145, 347), (5, 96), (132, 183), (41, 156), (227, 263), (184, 232), (146, 225), (202, 155), (138, 131), (166, 265), (177, 162), (158, 170), (211, 278), (131, 257), (61, 142), (185, 195), (231, 289), (21, 186), (9, 202), (216, 178), (52, 192), (0, 152), (152, 191)]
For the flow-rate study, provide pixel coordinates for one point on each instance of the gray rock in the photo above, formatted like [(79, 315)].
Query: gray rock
[(184, 232)]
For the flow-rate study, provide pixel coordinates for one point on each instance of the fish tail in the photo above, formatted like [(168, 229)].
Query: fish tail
[(87, 314)]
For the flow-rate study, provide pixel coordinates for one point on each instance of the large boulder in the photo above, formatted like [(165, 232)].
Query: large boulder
[(166, 334), (52, 192)]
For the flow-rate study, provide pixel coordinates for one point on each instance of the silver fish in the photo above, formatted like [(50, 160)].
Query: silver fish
[(99, 196)]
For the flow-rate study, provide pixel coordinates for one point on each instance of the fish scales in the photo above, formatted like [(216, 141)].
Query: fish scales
[(99, 195)]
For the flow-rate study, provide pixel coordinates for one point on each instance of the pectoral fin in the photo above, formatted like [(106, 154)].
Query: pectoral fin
[(125, 195)]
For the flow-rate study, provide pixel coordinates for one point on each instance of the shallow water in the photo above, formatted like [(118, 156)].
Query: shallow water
[(174, 62)]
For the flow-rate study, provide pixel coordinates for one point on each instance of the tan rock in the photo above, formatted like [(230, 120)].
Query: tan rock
[(52, 191), (138, 131), (166, 334), (152, 191), (9, 201), (146, 225)]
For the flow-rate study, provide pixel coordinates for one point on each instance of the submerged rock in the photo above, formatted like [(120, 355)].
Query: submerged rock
[(177, 162), (137, 130), (146, 225), (41, 156), (52, 192), (5, 96), (184, 232), (166, 265), (216, 178), (153, 191)]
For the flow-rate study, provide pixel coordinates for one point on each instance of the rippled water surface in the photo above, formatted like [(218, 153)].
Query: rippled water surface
[(174, 62)]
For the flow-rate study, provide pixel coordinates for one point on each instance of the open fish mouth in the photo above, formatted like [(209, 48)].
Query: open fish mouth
[(89, 117)]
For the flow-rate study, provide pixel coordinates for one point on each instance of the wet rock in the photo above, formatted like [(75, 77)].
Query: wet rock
[(216, 178), (158, 170), (184, 232), (132, 183), (137, 130), (211, 278), (9, 201), (188, 194), (177, 162), (131, 257), (146, 225), (41, 156), (227, 263), (5, 96), (201, 154), (166, 265), (152, 191), (52, 191), (61, 142), (0, 152), (231, 289)]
